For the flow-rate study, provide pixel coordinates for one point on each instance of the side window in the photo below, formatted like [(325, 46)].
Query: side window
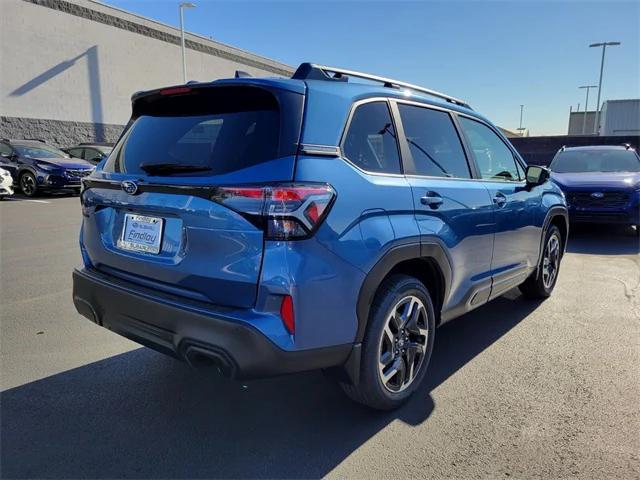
[(91, 154), (434, 143), (76, 152), (495, 159), (370, 142), (5, 149)]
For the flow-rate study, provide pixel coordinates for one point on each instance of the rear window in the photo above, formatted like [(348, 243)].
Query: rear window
[(221, 130)]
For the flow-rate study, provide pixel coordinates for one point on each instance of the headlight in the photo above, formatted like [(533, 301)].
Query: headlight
[(46, 167)]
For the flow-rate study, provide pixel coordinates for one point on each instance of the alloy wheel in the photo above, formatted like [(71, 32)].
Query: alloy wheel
[(403, 344), (27, 184), (551, 261)]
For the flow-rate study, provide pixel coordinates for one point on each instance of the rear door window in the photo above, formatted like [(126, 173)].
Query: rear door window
[(370, 141), (434, 143), (219, 131)]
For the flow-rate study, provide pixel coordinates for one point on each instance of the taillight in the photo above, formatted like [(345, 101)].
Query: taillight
[(285, 211)]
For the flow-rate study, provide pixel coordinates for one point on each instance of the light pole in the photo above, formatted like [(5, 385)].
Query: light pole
[(521, 109), (184, 57), (604, 48), (586, 107)]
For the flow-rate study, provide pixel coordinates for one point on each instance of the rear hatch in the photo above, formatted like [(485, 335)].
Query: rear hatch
[(157, 213)]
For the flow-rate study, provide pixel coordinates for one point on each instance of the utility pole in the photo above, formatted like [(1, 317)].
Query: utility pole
[(521, 109)]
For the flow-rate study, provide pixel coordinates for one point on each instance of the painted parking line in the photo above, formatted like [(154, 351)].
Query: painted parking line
[(26, 200)]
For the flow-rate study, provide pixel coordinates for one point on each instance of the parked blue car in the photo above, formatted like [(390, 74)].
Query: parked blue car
[(601, 183), (270, 226), (37, 167)]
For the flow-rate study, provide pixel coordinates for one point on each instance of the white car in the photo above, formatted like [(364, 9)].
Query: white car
[(6, 183)]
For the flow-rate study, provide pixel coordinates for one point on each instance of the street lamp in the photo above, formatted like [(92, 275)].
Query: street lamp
[(521, 109), (586, 107), (604, 46), (184, 58)]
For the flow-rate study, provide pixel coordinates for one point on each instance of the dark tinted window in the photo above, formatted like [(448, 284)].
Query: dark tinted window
[(495, 160), (39, 150), (370, 142), (221, 131), (92, 154), (5, 149), (75, 152), (596, 161), (434, 143)]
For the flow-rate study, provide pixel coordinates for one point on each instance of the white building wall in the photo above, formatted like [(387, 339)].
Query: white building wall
[(66, 61), (620, 117)]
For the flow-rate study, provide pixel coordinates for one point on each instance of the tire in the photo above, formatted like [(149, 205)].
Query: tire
[(411, 344), (542, 282), (28, 184)]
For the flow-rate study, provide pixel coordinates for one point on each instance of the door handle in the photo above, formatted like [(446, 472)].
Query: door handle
[(499, 199), (431, 199)]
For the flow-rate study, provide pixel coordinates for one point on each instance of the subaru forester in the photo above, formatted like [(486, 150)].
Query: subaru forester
[(276, 225)]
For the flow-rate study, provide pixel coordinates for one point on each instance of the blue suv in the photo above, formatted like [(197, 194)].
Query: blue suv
[(38, 167), (269, 226)]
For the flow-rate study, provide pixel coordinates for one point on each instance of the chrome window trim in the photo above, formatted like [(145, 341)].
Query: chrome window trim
[(321, 150)]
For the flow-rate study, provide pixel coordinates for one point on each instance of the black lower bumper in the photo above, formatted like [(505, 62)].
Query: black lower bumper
[(619, 218), (201, 339)]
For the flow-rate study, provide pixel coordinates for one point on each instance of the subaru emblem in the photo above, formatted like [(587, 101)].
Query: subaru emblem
[(597, 195), (129, 187)]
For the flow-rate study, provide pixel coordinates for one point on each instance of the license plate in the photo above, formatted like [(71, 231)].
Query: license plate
[(141, 233)]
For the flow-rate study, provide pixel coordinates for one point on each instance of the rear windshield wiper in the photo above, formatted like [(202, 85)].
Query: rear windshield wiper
[(169, 168)]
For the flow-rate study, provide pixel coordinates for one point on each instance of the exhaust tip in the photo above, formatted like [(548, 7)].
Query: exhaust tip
[(199, 356)]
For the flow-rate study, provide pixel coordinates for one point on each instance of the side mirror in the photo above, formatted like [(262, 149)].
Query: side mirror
[(536, 175)]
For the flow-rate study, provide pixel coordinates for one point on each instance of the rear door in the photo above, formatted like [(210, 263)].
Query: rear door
[(517, 239), (450, 206), (154, 214)]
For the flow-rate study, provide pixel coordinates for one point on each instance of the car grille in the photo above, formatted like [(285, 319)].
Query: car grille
[(608, 200), (77, 173)]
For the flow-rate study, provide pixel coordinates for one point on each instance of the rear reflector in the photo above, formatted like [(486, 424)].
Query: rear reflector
[(284, 211), (286, 312)]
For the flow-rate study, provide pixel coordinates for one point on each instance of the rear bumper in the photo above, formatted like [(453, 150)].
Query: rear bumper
[(200, 337)]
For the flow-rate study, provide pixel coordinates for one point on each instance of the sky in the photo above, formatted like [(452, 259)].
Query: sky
[(496, 55)]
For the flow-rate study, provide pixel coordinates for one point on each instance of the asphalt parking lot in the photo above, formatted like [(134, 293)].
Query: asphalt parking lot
[(515, 388)]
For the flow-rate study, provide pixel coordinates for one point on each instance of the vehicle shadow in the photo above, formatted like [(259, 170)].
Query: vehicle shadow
[(603, 240), (143, 415)]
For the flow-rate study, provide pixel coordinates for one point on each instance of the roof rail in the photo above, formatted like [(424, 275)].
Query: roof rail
[(36, 140), (310, 71)]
